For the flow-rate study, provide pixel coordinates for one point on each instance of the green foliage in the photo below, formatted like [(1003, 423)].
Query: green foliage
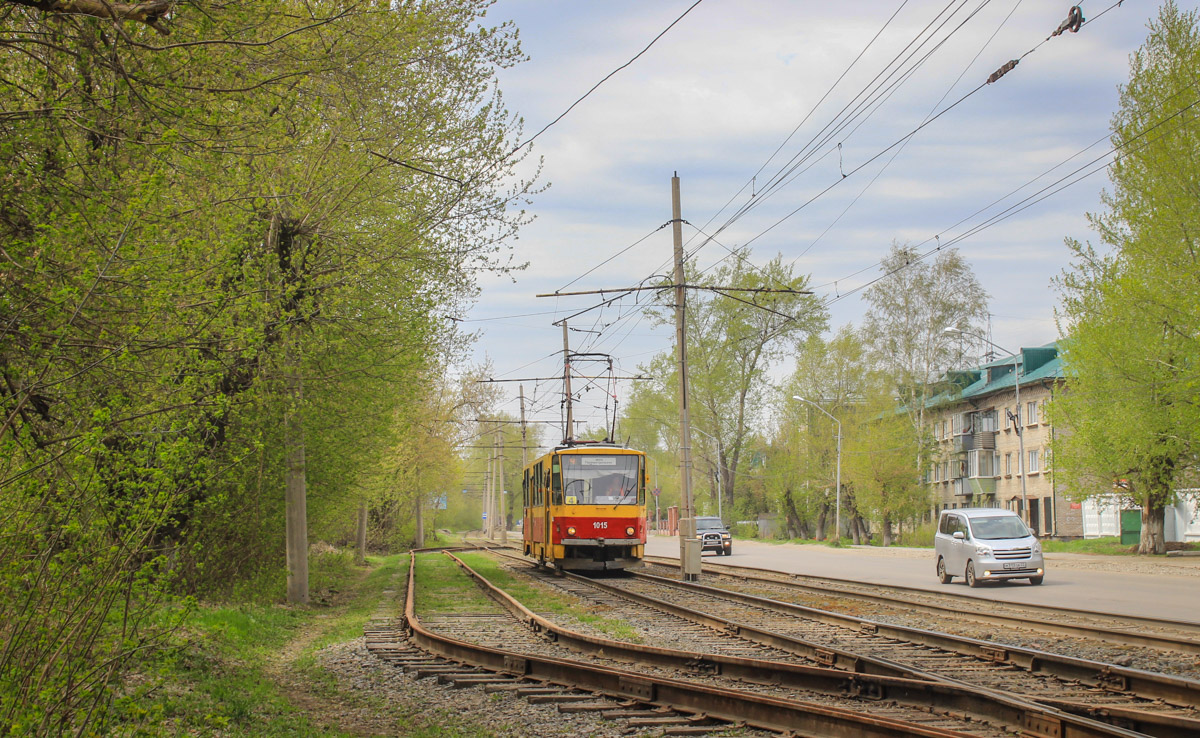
[(192, 227), (911, 306), (1131, 311), (920, 536), (880, 463), (212, 675), (734, 338)]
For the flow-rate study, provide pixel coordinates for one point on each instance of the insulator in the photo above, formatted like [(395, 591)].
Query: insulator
[(1003, 70)]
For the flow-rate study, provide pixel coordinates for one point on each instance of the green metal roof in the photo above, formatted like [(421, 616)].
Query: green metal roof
[(1037, 364)]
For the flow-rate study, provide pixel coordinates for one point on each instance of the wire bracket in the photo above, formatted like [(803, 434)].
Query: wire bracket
[(1073, 22)]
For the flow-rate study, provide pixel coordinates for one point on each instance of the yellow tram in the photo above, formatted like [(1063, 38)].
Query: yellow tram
[(585, 507)]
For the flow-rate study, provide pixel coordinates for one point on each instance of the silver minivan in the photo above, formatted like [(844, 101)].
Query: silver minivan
[(986, 544)]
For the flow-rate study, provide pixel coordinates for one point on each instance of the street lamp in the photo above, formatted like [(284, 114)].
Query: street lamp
[(720, 455), (1020, 428), (837, 510)]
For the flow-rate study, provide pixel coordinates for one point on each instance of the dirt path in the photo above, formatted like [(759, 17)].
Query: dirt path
[(321, 696)]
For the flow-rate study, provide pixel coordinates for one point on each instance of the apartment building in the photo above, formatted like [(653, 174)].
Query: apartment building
[(993, 441)]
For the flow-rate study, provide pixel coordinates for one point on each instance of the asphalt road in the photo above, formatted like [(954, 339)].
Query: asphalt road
[(1156, 587)]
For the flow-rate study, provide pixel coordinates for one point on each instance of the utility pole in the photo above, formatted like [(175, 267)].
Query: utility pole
[(501, 520), (569, 431), (487, 496), (524, 460), (524, 445), (689, 546)]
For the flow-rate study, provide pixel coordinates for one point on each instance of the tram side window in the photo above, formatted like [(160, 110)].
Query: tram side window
[(535, 480), (555, 483)]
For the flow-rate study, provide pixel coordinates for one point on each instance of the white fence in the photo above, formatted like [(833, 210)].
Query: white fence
[(1102, 517)]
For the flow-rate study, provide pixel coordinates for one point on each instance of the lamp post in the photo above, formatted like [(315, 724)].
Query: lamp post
[(837, 510), (1019, 423), (720, 455)]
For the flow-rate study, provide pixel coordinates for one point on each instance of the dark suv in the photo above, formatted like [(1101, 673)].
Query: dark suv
[(714, 536)]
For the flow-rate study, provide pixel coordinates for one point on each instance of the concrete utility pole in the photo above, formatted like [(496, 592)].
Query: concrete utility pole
[(524, 459), (569, 431), (524, 445), (487, 496), (295, 482), (501, 519), (689, 546)]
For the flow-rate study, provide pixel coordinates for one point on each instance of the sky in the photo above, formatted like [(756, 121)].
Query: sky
[(731, 95)]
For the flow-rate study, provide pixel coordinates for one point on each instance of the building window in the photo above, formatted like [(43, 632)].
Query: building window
[(1031, 413), (1033, 462), (1047, 457), (1048, 514), (1008, 465)]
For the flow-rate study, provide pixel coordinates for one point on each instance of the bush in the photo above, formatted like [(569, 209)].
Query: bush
[(920, 537)]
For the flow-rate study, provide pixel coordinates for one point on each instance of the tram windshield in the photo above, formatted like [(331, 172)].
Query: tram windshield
[(600, 479)]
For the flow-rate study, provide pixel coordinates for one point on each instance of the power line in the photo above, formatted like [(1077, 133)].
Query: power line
[(879, 154), (606, 78), (1042, 194)]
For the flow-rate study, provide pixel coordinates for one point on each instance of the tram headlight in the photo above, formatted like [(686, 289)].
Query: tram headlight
[(630, 531), (570, 530)]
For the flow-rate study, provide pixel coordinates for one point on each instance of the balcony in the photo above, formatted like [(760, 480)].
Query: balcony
[(970, 486)]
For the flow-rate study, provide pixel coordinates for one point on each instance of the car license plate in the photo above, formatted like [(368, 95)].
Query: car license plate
[(1013, 565)]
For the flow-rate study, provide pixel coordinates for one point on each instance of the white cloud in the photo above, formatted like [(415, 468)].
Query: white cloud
[(723, 89)]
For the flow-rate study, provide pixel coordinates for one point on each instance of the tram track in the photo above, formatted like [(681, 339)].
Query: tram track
[(1155, 704), (1165, 635), (709, 688), (869, 674), (1151, 703)]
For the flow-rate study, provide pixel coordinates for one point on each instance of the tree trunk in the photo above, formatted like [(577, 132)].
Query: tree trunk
[(792, 523), (418, 522), (360, 556), (1153, 539), (886, 532), (858, 530), (295, 483)]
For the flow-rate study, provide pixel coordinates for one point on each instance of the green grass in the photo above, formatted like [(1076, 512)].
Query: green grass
[(221, 674), (442, 587), (542, 600), (214, 678), (1110, 545)]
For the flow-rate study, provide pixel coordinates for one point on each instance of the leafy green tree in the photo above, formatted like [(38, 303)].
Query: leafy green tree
[(213, 219), (878, 456), (1130, 310), (829, 374), (910, 307), (734, 337)]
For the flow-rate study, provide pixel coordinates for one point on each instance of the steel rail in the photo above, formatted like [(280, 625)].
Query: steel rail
[(1110, 634), (1150, 686), (866, 676), (729, 705)]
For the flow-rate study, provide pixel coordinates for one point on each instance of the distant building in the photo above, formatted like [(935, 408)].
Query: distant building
[(974, 419)]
